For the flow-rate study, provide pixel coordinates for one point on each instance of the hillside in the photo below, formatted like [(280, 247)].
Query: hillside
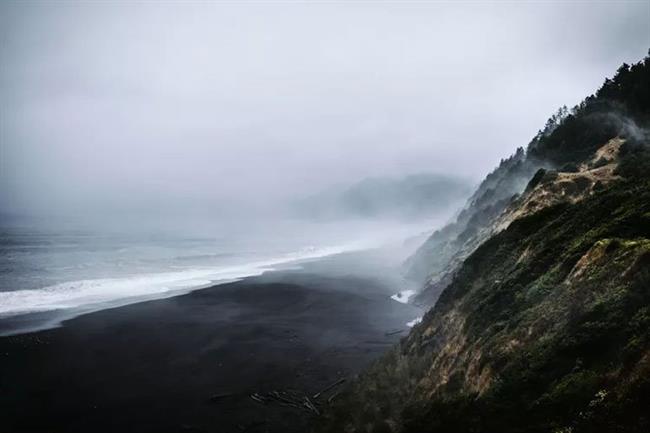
[(567, 143), (542, 319)]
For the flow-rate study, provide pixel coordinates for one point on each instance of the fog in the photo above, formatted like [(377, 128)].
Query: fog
[(141, 109)]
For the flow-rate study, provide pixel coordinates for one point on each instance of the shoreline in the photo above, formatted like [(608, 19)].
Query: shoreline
[(48, 317), (36, 321), (191, 362)]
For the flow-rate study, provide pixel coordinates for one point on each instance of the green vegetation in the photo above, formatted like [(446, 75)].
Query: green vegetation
[(635, 161), (570, 137), (617, 108), (564, 333), (545, 326)]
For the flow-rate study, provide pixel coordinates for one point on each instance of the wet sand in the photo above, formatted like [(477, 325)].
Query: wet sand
[(154, 366)]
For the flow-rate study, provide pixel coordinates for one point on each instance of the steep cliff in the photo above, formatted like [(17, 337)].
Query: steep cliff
[(435, 262), (543, 319), (566, 143)]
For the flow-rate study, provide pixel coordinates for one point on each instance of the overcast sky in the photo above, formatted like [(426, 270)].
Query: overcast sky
[(123, 105)]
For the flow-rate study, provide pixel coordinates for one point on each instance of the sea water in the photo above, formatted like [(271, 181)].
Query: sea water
[(72, 271)]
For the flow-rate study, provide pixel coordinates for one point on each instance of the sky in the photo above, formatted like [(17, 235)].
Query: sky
[(142, 107)]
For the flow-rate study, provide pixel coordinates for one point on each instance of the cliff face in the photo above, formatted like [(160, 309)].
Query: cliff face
[(543, 319), (567, 143), (545, 326), (435, 262)]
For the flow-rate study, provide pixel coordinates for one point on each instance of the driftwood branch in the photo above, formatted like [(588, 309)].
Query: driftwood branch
[(327, 388), (289, 398), (332, 397), (258, 398), (309, 405)]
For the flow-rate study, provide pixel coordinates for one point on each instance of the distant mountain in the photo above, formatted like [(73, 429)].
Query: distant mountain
[(401, 198), (540, 291)]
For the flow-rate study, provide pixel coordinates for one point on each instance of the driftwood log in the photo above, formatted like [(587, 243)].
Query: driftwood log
[(290, 398), (327, 388)]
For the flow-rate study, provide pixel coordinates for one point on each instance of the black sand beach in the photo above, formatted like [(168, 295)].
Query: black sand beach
[(154, 366)]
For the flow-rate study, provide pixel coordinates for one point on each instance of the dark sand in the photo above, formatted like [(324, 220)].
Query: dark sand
[(153, 366)]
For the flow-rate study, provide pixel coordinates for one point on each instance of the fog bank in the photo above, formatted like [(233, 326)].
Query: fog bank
[(151, 110)]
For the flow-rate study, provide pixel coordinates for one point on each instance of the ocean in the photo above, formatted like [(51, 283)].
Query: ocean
[(65, 272)]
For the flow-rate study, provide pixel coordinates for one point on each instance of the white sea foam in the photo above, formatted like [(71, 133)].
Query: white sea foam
[(414, 322), (108, 292), (403, 296)]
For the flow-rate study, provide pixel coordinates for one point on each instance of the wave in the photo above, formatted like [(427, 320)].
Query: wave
[(110, 292)]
